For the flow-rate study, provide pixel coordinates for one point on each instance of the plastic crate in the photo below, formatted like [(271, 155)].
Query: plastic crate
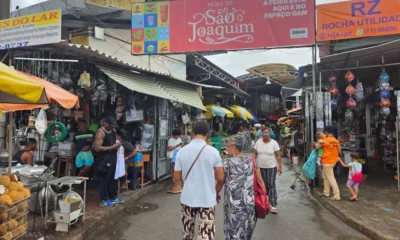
[(15, 216)]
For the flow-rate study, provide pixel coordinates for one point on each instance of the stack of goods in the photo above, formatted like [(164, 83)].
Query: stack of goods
[(385, 93), (14, 198)]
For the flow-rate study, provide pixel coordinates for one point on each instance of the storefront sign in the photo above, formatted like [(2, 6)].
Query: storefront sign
[(357, 19), (211, 25), (30, 30)]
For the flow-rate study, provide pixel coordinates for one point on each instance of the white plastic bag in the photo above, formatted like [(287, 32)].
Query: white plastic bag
[(41, 122)]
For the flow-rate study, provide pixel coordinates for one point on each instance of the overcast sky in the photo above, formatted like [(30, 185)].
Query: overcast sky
[(236, 63)]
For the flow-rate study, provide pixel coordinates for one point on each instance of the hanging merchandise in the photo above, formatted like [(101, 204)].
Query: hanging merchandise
[(385, 103), (348, 114), (332, 78), (384, 77), (351, 103), (41, 122), (60, 137), (65, 81), (350, 89), (359, 91), (84, 80), (384, 86), (385, 94), (334, 91), (385, 112), (119, 110), (349, 76)]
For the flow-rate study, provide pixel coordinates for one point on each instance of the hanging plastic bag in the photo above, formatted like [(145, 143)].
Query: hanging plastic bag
[(84, 80), (41, 122), (309, 167)]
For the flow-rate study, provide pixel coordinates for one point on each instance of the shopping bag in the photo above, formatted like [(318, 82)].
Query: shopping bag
[(309, 167)]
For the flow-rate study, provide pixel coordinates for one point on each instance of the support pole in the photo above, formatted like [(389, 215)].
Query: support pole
[(312, 109), (5, 6)]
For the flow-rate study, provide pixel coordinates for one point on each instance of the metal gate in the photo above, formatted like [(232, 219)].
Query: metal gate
[(163, 133)]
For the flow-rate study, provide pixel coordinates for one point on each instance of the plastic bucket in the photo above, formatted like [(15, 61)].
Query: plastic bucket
[(295, 160)]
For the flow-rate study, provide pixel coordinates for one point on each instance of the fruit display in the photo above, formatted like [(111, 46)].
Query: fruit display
[(14, 198)]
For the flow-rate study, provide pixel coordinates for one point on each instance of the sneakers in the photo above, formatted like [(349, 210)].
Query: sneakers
[(107, 203), (118, 200)]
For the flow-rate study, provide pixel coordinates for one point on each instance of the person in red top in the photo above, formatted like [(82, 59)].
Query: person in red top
[(331, 151)]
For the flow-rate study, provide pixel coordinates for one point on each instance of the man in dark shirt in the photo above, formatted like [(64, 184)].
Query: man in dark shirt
[(82, 148)]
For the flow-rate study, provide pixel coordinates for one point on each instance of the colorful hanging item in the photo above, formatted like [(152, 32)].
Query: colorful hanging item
[(351, 103), (385, 112), (334, 91), (359, 91), (332, 78), (350, 89), (385, 103), (384, 86), (384, 77), (385, 94), (349, 76)]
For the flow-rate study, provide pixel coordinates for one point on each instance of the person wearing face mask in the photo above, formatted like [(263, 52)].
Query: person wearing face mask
[(268, 155)]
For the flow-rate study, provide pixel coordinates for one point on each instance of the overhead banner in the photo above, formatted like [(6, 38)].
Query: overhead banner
[(30, 30), (357, 19), (209, 25)]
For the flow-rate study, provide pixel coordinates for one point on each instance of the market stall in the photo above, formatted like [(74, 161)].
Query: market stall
[(15, 197)]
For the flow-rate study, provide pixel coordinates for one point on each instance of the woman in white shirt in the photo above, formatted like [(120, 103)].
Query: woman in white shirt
[(268, 155), (174, 144)]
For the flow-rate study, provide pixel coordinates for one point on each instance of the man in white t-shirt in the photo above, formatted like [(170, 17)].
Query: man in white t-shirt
[(268, 155), (174, 145), (199, 165)]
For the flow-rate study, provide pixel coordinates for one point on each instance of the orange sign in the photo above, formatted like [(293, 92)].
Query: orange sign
[(357, 19)]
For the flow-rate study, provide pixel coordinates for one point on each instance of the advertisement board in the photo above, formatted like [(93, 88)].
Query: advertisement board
[(209, 25), (30, 30), (357, 19)]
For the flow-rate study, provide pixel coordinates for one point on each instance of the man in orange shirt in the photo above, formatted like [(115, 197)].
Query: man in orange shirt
[(330, 156)]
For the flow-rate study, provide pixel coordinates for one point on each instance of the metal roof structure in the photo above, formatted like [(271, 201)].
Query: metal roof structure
[(201, 70), (278, 73)]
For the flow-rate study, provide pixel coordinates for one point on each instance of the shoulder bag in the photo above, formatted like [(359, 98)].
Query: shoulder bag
[(261, 199), (198, 155)]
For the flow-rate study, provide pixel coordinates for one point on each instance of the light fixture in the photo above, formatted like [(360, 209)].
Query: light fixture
[(47, 60), (268, 81)]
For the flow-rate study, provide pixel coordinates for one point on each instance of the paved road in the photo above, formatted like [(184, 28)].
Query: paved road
[(299, 218)]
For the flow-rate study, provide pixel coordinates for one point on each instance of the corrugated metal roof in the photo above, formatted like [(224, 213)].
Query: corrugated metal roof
[(99, 55), (185, 94), (158, 88), (136, 83)]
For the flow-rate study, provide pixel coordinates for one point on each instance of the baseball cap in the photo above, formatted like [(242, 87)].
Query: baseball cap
[(111, 121)]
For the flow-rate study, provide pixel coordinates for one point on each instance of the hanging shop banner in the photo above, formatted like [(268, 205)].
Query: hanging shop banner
[(210, 25), (30, 30), (357, 19)]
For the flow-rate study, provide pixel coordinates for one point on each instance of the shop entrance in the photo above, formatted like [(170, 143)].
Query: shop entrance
[(164, 126)]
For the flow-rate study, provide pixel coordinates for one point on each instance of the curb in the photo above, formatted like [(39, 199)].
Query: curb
[(348, 219), (100, 225)]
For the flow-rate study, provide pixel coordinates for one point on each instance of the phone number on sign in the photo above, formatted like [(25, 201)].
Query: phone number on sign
[(377, 30), (13, 45)]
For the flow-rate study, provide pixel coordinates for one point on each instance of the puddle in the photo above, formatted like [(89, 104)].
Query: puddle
[(140, 208)]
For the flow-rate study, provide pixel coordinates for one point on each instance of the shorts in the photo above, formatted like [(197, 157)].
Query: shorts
[(84, 159), (352, 184)]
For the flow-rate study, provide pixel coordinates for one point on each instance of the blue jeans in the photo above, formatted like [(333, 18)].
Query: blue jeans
[(133, 175)]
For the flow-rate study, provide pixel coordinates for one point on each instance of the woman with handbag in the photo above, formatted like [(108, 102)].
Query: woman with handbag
[(239, 201)]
